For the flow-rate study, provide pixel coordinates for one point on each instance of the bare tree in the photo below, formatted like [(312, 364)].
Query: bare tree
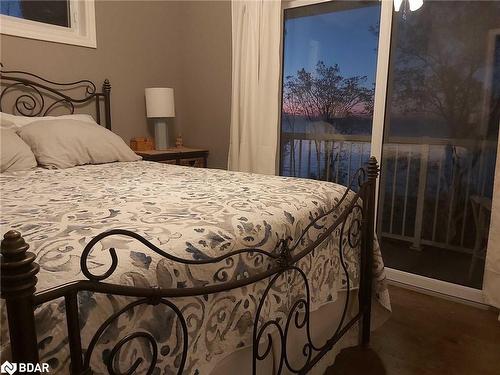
[(326, 94), (439, 62)]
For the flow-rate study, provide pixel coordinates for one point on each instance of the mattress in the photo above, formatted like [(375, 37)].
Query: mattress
[(191, 213)]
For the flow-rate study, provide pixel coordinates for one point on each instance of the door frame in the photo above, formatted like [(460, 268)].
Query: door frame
[(402, 278), (424, 284)]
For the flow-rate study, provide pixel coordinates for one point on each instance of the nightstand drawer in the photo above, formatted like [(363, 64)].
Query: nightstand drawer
[(193, 162), (172, 161), (189, 157)]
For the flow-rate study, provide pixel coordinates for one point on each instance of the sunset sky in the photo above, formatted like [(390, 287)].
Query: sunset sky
[(341, 37)]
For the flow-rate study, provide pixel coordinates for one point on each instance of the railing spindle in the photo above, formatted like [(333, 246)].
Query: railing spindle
[(318, 158), (349, 164), (467, 192), (452, 202), (436, 204), (300, 159), (403, 229), (422, 184), (327, 160), (338, 161), (394, 178), (309, 159)]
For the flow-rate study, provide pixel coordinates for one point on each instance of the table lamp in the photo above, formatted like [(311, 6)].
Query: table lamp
[(160, 106)]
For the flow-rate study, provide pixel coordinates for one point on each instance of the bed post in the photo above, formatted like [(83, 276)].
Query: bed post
[(365, 295), (106, 89), (18, 284)]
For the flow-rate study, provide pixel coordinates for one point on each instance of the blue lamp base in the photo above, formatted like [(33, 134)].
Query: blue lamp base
[(161, 134)]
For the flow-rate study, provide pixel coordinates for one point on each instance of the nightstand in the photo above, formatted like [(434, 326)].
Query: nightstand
[(191, 157)]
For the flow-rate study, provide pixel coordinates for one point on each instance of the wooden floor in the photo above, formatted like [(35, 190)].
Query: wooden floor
[(427, 335)]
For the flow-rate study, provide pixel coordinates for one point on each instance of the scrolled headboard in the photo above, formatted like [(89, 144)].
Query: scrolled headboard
[(37, 96)]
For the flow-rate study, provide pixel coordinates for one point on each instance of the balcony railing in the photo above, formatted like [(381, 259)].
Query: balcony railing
[(427, 184)]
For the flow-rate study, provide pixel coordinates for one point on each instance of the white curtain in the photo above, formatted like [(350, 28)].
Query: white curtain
[(255, 103), (491, 283)]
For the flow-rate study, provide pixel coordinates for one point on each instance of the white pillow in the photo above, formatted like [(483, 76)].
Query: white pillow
[(15, 122), (67, 143), (15, 155)]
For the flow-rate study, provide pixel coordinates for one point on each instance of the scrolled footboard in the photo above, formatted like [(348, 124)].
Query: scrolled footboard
[(355, 224)]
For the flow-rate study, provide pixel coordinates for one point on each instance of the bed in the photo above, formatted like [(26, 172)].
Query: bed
[(142, 267)]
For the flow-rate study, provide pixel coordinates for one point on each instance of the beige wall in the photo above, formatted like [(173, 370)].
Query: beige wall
[(185, 45), (206, 75)]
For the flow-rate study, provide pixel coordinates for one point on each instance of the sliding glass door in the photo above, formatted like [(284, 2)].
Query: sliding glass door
[(420, 90), (440, 140)]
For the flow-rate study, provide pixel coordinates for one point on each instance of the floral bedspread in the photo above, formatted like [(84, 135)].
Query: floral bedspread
[(191, 213)]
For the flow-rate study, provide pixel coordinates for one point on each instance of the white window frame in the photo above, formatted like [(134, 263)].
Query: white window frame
[(289, 4), (81, 33)]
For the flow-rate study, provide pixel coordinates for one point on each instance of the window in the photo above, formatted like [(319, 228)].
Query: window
[(329, 68), (51, 12), (62, 21)]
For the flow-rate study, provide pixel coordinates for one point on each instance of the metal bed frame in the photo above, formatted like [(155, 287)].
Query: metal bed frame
[(354, 222)]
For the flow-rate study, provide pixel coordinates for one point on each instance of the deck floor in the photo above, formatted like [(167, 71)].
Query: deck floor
[(433, 262)]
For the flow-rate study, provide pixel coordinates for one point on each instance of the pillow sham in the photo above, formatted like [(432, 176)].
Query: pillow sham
[(67, 143), (12, 121), (15, 155)]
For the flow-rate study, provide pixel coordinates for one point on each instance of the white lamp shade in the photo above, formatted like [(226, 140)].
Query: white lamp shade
[(413, 4), (416, 4), (160, 102)]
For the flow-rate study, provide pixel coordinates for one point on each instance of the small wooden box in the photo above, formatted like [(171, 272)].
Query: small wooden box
[(142, 144)]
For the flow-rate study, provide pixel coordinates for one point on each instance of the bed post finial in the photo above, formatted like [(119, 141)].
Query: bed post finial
[(106, 86), (372, 168), (18, 285)]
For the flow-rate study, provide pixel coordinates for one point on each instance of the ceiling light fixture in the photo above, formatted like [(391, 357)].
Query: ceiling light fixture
[(413, 5)]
